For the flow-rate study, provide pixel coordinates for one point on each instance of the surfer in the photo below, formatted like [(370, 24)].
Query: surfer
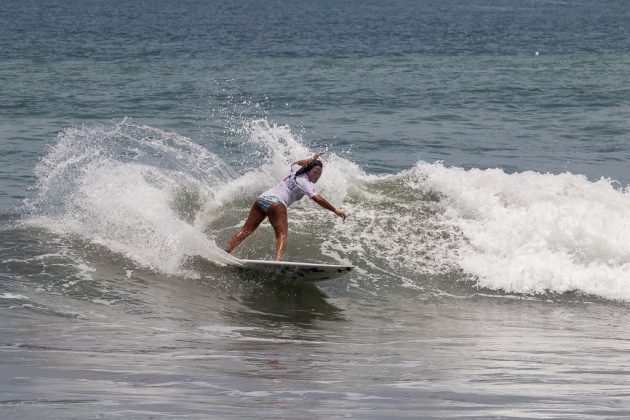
[(274, 202)]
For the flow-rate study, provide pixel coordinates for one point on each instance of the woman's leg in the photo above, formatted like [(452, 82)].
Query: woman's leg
[(254, 219), (278, 218)]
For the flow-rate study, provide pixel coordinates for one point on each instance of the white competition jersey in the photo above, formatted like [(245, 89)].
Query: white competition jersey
[(291, 188)]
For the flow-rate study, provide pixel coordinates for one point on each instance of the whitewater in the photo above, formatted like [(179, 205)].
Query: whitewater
[(159, 198)]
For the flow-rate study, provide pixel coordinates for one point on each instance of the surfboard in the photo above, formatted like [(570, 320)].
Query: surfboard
[(298, 270)]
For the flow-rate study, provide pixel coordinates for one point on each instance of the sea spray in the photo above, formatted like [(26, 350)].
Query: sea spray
[(278, 147), (119, 186)]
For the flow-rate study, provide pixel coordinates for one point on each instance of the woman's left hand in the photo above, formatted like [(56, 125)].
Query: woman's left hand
[(341, 214)]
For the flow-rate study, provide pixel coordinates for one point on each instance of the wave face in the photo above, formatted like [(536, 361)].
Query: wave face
[(158, 198)]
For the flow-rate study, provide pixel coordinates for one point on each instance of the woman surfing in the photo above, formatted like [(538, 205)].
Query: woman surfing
[(274, 202)]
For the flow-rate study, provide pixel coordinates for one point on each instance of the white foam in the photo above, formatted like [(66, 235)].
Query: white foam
[(395, 232), (122, 187), (13, 296), (224, 330), (531, 233)]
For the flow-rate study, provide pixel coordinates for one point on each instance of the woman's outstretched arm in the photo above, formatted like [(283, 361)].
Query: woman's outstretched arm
[(325, 204)]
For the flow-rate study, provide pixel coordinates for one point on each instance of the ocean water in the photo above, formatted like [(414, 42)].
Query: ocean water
[(480, 148)]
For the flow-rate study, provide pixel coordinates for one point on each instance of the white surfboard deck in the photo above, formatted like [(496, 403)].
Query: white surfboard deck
[(299, 270)]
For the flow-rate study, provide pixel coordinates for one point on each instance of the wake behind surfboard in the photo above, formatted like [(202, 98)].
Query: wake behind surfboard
[(298, 270)]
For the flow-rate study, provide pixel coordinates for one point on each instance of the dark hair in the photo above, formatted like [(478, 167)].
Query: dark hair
[(304, 169)]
